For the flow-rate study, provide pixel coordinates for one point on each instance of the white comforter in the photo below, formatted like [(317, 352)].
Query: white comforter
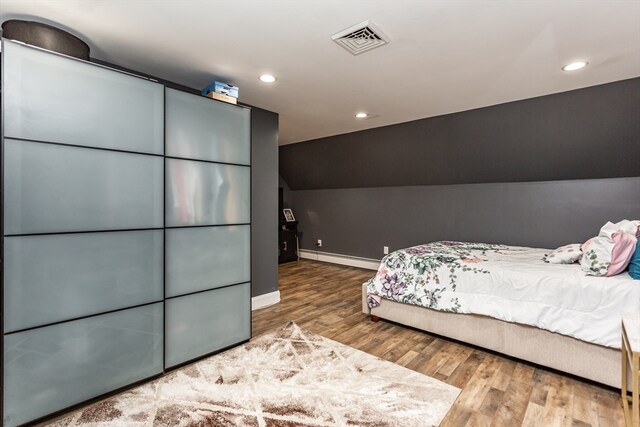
[(508, 283)]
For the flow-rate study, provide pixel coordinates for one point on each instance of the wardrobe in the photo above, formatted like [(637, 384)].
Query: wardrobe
[(126, 230)]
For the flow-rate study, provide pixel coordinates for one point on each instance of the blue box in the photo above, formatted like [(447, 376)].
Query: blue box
[(222, 88), (226, 89)]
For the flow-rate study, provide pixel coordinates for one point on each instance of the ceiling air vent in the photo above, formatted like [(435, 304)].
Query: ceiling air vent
[(361, 38)]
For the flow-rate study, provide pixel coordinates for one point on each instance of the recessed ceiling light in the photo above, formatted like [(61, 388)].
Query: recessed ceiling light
[(362, 115), (268, 78), (575, 66)]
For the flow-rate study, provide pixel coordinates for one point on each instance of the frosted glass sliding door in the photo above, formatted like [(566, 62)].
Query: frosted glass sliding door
[(52, 188), (207, 215), (201, 128), (204, 193), (52, 368), (49, 97), (58, 277), (83, 243), (205, 322)]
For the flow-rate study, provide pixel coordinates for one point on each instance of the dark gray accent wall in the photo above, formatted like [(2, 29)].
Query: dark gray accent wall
[(264, 201), (539, 172), (582, 134), (360, 221)]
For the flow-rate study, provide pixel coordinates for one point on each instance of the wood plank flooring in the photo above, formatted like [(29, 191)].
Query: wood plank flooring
[(496, 391)]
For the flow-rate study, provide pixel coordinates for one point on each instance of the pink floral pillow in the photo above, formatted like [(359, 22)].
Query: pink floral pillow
[(623, 249)]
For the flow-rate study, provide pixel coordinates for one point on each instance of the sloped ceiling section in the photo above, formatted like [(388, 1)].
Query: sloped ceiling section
[(582, 134), (443, 56)]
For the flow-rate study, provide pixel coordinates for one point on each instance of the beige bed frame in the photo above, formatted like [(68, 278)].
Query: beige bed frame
[(567, 354)]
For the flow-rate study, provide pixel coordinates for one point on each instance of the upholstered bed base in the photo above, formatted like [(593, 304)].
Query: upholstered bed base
[(590, 361)]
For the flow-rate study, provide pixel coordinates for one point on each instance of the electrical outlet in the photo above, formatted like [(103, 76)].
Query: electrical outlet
[(385, 249), (319, 243)]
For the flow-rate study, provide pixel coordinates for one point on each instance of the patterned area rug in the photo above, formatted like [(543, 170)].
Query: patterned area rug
[(287, 378)]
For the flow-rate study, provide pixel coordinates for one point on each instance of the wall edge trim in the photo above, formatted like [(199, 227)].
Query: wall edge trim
[(265, 300), (352, 261)]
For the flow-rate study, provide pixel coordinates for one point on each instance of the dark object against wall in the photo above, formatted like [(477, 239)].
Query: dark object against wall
[(264, 201), (581, 134), (46, 37), (360, 221), (288, 240)]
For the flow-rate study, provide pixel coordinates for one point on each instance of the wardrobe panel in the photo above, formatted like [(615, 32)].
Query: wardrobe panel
[(203, 258), (58, 277), (202, 193), (52, 368), (52, 188), (205, 322), (49, 97), (202, 128)]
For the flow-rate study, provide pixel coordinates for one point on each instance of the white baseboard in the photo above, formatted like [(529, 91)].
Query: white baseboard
[(265, 300), (352, 261)]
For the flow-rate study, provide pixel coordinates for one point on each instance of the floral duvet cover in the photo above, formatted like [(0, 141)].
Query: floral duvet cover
[(510, 283), (422, 275)]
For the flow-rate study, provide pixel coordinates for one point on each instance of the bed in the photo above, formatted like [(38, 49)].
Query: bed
[(508, 299)]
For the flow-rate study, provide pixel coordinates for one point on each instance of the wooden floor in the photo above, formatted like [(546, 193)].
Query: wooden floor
[(496, 391)]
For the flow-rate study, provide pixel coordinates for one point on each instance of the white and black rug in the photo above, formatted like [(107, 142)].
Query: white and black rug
[(286, 378)]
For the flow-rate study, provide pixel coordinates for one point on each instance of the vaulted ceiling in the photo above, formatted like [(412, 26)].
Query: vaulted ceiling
[(444, 56)]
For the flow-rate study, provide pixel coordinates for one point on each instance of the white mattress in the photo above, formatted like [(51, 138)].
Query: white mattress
[(515, 285)]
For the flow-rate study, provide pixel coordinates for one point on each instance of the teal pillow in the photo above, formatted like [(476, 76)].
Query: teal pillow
[(634, 264)]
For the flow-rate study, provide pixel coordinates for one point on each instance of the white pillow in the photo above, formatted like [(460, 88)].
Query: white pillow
[(629, 227), (567, 254)]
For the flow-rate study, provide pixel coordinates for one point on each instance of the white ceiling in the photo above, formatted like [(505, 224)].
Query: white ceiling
[(444, 56)]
